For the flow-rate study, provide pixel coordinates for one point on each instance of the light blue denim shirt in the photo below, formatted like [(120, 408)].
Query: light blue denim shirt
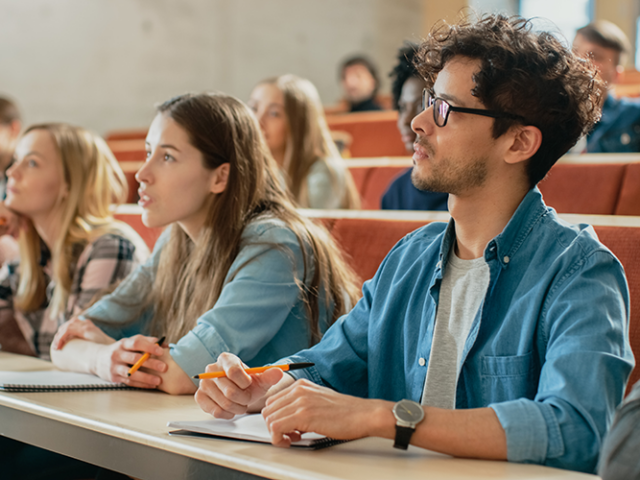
[(548, 349), (259, 316)]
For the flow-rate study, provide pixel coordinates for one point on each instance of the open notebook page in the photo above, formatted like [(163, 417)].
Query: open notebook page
[(245, 427)]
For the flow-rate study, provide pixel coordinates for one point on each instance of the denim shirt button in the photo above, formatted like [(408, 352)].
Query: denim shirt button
[(422, 362), (506, 259)]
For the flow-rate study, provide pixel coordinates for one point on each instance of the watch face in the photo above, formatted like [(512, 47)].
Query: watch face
[(408, 411)]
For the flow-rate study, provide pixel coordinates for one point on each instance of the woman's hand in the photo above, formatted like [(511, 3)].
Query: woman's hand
[(174, 380), (83, 329), (112, 362)]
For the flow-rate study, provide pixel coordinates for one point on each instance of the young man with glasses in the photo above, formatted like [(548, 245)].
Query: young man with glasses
[(501, 335)]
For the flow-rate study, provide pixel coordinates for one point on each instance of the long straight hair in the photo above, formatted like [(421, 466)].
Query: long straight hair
[(309, 141), (94, 182), (191, 275)]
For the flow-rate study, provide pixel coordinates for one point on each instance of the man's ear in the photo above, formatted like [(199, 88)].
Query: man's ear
[(525, 143), (220, 178)]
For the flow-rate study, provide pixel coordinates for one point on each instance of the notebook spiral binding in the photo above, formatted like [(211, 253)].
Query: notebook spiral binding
[(58, 388), (327, 442)]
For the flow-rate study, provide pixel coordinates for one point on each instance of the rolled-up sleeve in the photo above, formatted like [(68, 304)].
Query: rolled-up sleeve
[(586, 366)]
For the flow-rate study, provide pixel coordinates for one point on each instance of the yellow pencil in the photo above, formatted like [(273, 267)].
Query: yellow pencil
[(285, 367), (134, 368)]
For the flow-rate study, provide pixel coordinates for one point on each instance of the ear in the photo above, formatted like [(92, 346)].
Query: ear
[(16, 127), (525, 142), (220, 178)]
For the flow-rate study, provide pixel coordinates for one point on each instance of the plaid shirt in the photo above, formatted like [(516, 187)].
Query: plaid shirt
[(100, 264)]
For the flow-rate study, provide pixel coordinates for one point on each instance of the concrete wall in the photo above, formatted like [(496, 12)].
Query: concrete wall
[(623, 13), (448, 10), (104, 63), (508, 7)]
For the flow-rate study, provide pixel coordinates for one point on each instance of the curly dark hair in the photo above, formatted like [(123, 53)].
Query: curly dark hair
[(404, 70), (525, 73)]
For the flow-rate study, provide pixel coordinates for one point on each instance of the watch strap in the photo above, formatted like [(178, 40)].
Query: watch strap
[(403, 436)]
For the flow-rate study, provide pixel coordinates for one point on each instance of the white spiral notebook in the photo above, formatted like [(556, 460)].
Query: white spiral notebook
[(53, 381), (251, 428)]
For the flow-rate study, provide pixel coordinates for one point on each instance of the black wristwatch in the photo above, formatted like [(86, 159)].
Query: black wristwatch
[(408, 414)]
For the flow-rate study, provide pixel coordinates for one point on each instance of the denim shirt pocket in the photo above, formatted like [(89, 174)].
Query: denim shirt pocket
[(508, 378)]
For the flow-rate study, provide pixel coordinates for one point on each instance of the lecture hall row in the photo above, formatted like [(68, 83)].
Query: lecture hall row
[(217, 229)]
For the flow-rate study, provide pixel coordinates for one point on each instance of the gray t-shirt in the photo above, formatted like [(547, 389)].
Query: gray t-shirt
[(620, 456), (463, 288)]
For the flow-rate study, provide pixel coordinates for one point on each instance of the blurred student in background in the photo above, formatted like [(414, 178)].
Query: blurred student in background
[(407, 98), (10, 126), (293, 124), (360, 83), (618, 130)]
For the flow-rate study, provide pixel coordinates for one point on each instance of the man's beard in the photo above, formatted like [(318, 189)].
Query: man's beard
[(447, 177)]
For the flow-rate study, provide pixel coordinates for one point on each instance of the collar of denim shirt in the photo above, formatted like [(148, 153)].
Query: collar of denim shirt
[(506, 244)]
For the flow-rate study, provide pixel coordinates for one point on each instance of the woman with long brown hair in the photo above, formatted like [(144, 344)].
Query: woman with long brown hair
[(238, 269), (295, 129)]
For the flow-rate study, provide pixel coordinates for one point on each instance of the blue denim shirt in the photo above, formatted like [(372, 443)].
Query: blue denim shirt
[(618, 131), (260, 315), (548, 349)]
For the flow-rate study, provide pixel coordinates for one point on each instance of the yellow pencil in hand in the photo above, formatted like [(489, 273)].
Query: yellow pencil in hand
[(134, 368)]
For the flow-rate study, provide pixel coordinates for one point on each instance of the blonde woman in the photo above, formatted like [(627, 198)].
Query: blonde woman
[(238, 269), (61, 187), (293, 123)]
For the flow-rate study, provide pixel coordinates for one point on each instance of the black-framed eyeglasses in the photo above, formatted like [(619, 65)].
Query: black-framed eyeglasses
[(442, 108)]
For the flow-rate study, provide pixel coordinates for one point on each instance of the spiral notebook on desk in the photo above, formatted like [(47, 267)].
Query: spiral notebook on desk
[(53, 381), (251, 428)]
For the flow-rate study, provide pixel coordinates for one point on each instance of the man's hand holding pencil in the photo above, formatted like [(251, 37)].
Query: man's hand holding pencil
[(290, 407), (237, 392)]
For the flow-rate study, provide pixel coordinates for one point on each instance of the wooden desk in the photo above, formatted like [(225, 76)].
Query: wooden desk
[(126, 431)]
